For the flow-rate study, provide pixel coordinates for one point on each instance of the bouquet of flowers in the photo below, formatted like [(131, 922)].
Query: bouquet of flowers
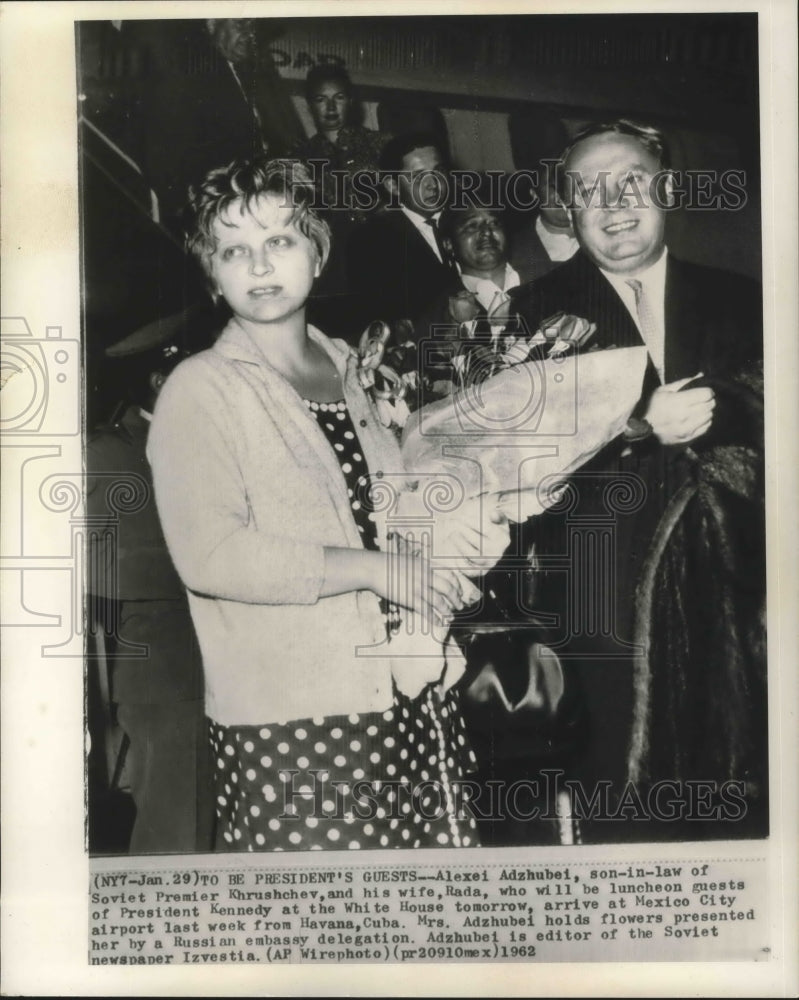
[(508, 413), (513, 437), (400, 380), (389, 371)]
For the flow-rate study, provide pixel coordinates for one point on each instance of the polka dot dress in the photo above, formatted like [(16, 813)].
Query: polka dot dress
[(375, 780), (336, 423), (369, 780)]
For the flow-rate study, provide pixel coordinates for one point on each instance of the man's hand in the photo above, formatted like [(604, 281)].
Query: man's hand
[(678, 417)]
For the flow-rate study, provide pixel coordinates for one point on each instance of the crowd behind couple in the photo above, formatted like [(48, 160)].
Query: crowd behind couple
[(635, 661)]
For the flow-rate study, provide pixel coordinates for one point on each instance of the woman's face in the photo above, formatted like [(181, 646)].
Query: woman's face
[(329, 106), (263, 265)]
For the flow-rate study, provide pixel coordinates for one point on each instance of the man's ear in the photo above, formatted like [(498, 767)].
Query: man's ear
[(391, 186), (668, 189), (156, 381)]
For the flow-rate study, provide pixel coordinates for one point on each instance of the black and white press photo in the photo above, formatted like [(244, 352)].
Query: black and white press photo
[(424, 416), (399, 492)]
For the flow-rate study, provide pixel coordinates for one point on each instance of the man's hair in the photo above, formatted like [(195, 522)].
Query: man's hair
[(243, 182), (396, 149), (464, 199), (651, 138), (327, 73)]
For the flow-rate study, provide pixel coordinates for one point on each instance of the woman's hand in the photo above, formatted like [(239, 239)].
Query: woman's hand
[(475, 532), (405, 575), (414, 581), (473, 536)]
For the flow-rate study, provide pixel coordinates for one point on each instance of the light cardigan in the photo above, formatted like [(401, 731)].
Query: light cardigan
[(250, 493)]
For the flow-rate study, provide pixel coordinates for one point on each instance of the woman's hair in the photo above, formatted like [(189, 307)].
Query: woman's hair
[(327, 73), (243, 182)]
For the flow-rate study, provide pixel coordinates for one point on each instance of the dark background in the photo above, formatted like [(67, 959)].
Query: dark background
[(158, 105)]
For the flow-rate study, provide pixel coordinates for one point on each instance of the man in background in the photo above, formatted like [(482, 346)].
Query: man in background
[(156, 680), (472, 229), (541, 236), (397, 261)]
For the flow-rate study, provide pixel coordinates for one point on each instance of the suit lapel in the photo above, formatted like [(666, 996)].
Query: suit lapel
[(416, 245)]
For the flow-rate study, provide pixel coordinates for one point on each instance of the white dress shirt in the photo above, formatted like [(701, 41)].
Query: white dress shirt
[(653, 281), (489, 293), (559, 246)]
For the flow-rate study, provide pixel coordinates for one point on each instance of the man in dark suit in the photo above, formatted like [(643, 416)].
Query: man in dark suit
[(701, 327), (397, 264), (473, 234), (168, 93), (543, 236)]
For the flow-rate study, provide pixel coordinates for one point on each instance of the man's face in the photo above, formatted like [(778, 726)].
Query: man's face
[(616, 219), (421, 183), (329, 106), (478, 241)]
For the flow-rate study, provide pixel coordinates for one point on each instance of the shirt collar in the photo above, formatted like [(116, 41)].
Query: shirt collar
[(559, 246), (487, 291), (418, 219), (653, 278)]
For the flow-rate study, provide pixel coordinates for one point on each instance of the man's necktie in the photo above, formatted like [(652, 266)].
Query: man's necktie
[(648, 325), (446, 256)]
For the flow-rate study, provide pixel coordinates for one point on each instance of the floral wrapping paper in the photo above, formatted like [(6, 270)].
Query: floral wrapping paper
[(517, 435)]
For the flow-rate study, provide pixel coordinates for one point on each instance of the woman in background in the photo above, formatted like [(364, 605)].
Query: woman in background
[(339, 150)]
